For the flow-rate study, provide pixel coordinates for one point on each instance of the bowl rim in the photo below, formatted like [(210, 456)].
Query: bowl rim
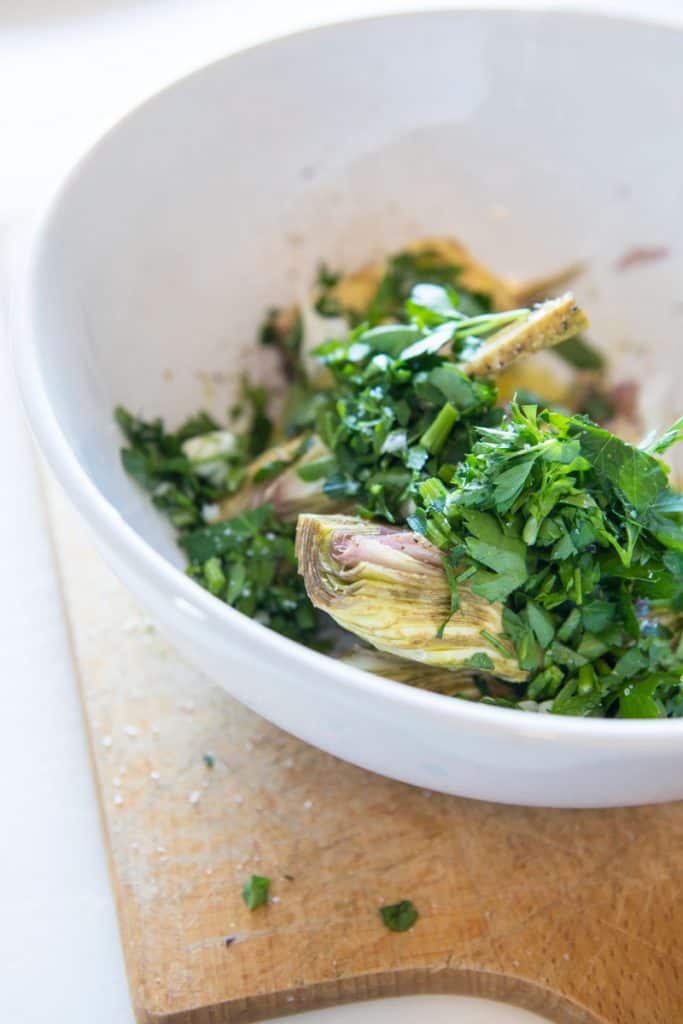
[(107, 523)]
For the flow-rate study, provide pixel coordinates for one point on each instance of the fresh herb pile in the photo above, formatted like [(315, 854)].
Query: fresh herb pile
[(247, 561), (398, 409), (578, 534), (581, 536)]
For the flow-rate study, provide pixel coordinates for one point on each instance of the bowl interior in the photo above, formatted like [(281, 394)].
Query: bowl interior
[(539, 140)]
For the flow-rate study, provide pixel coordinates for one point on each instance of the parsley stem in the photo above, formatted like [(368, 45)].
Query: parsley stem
[(578, 589), (436, 435), (478, 325)]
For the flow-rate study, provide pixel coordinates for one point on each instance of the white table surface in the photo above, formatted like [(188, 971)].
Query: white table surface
[(68, 69)]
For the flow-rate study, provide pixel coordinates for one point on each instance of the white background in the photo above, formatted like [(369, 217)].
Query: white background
[(68, 69)]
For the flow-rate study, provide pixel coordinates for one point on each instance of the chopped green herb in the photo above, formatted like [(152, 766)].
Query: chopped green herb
[(405, 271), (283, 329), (580, 535), (672, 436), (399, 917), (479, 660), (255, 891), (577, 534), (154, 457), (249, 561), (209, 760)]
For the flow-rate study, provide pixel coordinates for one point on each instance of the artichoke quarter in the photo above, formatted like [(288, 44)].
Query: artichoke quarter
[(387, 585)]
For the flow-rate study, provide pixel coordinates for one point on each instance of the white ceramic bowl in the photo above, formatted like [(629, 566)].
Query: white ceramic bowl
[(537, 138)]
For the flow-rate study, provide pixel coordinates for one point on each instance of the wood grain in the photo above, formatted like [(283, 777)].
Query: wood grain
[(575, 914)]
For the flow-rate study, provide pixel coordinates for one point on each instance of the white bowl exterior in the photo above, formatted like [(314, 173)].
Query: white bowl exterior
[(218, 199)]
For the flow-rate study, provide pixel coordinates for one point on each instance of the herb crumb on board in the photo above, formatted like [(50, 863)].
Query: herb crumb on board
[(399, 917), (255, 891)]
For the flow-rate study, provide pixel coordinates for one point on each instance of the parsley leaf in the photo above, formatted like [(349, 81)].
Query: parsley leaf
[(249, 562), (399, 917), (255, 891)]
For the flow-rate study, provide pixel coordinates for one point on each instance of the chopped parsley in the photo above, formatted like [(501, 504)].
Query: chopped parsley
[(580, 535), (283, 330), (154, 457), (399, 410), (248, 562), (399, 917), (255, 891), (407, 270), (577, 534)]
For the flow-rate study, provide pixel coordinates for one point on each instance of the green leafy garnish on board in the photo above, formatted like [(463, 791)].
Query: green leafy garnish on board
[(255, 891), (399, 917)]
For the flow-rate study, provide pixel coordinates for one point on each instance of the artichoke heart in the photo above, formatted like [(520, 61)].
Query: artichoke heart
[(283, 488), (387, 585)]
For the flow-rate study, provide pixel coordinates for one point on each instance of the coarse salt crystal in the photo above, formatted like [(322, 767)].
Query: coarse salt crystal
[(308, 804), (275, 899), (118, 799), (130, 730), (194, 796), (237, 798), (116, 781), (155, 776), (106, 742)]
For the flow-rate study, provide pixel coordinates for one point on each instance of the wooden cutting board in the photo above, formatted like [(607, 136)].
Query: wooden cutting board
[(575, 914)]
